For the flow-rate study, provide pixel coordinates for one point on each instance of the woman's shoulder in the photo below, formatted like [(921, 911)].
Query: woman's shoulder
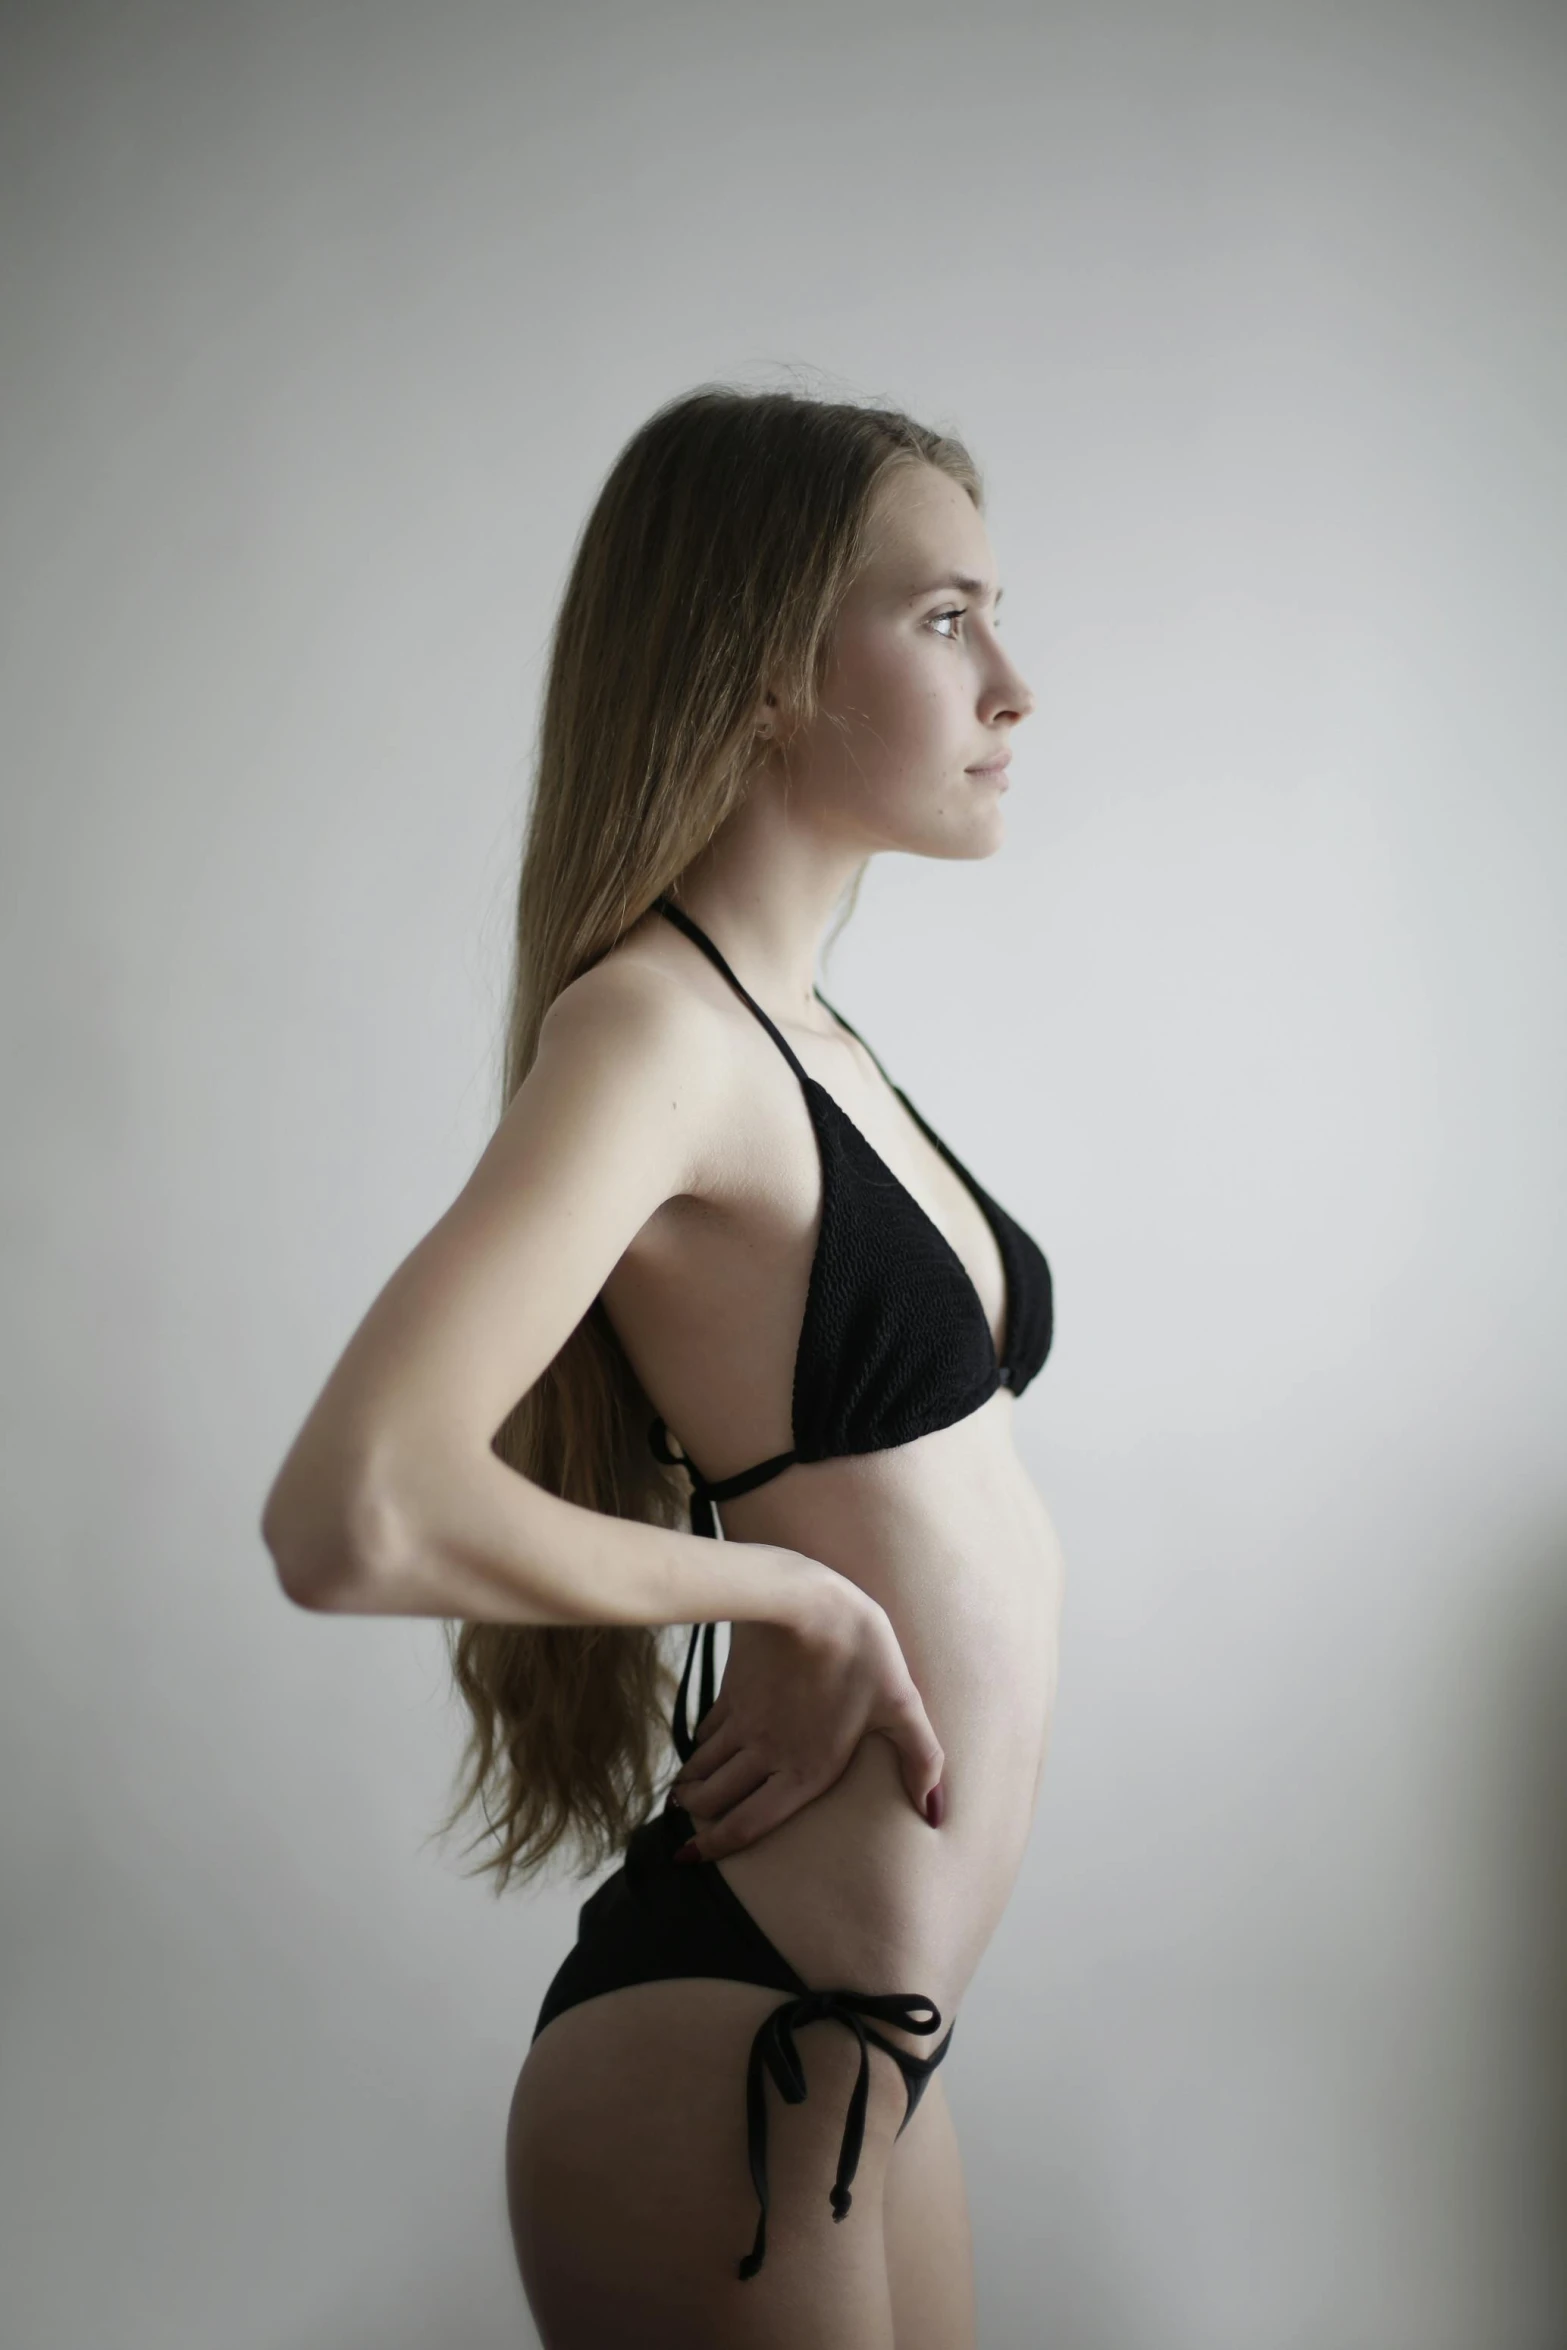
[(637, 1006)]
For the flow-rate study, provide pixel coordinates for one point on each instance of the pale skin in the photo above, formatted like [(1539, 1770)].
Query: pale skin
[(895, 1615)]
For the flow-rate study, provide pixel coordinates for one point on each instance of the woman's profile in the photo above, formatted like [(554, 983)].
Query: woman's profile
[(714, 1275)]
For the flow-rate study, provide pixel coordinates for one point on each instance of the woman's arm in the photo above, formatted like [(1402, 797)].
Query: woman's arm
[(390, 1500)]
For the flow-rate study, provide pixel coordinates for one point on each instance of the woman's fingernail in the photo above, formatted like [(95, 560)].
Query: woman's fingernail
[(935, 1807), (688, 1850)]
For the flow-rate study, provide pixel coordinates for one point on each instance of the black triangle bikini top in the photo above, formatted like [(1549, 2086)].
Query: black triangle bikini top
[(894, 1341)]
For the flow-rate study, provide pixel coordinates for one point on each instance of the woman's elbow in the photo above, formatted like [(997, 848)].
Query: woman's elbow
[(333, 1568), (325, 1584)]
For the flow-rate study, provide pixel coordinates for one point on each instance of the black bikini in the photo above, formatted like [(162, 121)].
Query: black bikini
[(894, 1343)]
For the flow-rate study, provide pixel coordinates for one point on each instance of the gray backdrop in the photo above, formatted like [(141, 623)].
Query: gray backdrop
[(321, 326)]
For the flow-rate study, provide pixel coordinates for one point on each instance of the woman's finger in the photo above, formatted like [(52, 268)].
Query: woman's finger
[(920, 1758), (775, 1801), (708, 1758), (706, 1798), (714, 1718)]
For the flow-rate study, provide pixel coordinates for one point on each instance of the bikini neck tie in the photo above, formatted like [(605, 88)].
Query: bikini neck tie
[(774, 2051)]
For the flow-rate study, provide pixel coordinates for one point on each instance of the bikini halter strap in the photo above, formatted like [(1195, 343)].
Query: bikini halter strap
[(698, 937)]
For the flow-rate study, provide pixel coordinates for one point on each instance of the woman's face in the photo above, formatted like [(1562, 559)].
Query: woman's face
[(908, 747)]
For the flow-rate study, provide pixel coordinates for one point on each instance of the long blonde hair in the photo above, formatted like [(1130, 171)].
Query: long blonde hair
[(711, 570)]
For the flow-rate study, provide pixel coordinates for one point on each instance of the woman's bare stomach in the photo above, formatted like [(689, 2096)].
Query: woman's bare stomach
[(950, 1536)]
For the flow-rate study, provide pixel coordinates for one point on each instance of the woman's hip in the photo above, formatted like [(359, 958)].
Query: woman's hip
[(673, 1983), (633, 2204)]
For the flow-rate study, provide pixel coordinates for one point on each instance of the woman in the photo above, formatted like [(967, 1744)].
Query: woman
[(710, 1230)]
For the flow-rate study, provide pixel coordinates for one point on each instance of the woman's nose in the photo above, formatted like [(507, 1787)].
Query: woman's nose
[(1010, 697)]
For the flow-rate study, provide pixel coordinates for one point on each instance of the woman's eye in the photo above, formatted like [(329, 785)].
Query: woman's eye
[(956, 613)]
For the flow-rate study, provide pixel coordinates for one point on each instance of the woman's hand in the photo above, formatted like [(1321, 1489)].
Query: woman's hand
[(796, 1700)]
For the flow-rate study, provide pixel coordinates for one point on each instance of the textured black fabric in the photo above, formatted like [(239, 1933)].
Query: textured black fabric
[(894, 1341), (1030, 1305), (651, 1922)]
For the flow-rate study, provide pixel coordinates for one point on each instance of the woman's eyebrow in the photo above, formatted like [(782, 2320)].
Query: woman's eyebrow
[(961, 580)]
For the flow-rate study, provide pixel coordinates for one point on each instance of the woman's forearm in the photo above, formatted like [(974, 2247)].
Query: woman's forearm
[(462, 1535)]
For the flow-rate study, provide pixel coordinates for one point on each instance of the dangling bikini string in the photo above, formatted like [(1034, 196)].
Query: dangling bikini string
[(774, 2051), (704, 1520)]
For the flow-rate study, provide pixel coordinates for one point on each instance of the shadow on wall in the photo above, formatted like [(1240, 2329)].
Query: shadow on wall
[(1538, 1788), (427, 2313)]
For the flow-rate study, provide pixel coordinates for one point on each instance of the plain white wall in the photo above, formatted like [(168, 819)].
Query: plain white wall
[(321, 325)]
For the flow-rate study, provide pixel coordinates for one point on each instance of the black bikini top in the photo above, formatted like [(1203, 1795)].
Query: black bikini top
[(894, 1341)]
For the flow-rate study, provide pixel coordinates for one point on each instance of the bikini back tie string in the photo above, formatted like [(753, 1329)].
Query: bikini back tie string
[(774, 2051), (704, 1520)]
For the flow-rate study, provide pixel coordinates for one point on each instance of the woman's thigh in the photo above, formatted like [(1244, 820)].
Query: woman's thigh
[(930, 2257), (630, 2187)]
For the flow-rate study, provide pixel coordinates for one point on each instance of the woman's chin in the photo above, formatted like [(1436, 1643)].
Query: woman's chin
[(982, 835), (961, 831)]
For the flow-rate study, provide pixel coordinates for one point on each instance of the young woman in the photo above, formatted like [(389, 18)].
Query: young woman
[(710, 1230)]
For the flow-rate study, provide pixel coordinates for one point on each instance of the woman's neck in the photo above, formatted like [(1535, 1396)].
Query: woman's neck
[(765, 894)]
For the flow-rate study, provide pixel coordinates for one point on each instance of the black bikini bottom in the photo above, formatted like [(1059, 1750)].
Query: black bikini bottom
[(651, 1921)]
